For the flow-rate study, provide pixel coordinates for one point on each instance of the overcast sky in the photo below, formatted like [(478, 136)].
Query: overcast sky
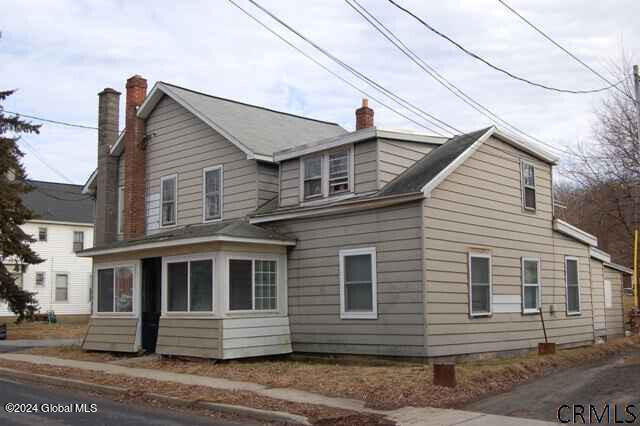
[(60, 54)]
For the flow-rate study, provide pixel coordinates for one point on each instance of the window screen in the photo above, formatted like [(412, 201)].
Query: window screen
[(201, 285), (177, 286), (480, 284), (240, 284), (105, 290)]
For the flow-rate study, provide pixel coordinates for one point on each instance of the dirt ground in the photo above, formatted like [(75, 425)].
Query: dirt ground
[(43, 330), (614, 382)]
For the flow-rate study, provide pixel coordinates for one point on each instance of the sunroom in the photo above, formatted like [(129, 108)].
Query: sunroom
[(213, 291)]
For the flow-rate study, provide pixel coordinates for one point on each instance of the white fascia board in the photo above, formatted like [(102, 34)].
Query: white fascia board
[(576, 233), (186, 241), (619, 268), (345, 207), (118, 147), (61, 222), (353, 137), (600, 255), (444, 173), (86, 189), (156, 94), (526, 147)]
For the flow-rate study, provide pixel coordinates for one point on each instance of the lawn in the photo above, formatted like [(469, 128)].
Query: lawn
[(387, 385), (43, 330)]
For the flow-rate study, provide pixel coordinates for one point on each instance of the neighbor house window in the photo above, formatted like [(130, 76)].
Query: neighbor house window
[(62, 288), (212, 196), (573, 285), (530, 285), (529, 185), (312, 177), (168, 199), (40, 279), (42, 234), (190, 285), (121, 210), (480, 283), (252, 284), (338, 172), (78, 240), (358, 284), (115, 289)]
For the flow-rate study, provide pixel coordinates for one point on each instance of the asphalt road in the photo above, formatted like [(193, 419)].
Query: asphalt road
[(615, 384), (108, 412)]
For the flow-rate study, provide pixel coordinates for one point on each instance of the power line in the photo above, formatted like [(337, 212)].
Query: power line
[(44, 161), (555, 43), (63, 123), (398, 43), (434, 121), (495, 67)]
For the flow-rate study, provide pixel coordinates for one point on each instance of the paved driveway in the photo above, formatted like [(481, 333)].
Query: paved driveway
[(615, 382)]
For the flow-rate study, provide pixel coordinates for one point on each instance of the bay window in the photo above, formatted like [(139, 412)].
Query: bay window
[(358, 284), (253, 284), (189, 284), (115, 289)]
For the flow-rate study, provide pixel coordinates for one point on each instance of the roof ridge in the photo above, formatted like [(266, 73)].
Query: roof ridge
[(249, 105), (55, 183)]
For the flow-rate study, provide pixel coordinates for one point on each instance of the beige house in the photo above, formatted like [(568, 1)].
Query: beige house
[(227, 230)]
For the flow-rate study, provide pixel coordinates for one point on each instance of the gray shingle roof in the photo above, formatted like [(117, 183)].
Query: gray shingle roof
[(424, 170), (261, 130), (236, 229), (59, 202)]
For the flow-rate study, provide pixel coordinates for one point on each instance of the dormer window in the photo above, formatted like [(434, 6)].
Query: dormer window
[(327, 174)]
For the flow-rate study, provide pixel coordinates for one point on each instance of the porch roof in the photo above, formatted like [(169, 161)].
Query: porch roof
[(231, 231)]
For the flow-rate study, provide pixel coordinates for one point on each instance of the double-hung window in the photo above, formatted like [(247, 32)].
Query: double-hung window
[(312, 182), (253, 284), (212, 193), (358, 284), (168, 189), (479, 284), (78, 240), (115, 289), (42, 234), (40, 276), (190, 285), (338, 172), (531, 285), (528, 185), (573, 285), (62, 288)]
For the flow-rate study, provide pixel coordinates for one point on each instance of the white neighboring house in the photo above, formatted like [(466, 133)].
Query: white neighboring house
[(63, 225)]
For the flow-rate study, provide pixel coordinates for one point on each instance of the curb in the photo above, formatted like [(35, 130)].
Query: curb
[(254, 413)]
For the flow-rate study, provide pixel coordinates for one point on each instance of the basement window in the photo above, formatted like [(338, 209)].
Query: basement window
[(168, 203), (528, 185), (531, 285), (479, 284), (572, 278), (253, 284), (358, 284), (115, 289), (189, 284)]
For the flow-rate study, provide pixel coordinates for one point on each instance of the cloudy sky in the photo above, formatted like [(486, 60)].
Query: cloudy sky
[(60, 54)]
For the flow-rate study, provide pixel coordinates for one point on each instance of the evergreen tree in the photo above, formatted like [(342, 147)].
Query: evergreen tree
[(14, 242)]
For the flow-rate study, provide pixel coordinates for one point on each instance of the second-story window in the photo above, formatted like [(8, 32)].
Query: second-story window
[(338, 172), (42, 234), (313, 177), (529, 185), (168, 199), (212, 196), (78, 240)]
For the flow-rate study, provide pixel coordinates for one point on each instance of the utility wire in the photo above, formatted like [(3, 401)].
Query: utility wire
[(398, 43), (397, 99), (44, 161), (555, 43), (63, 123), (495, 67)]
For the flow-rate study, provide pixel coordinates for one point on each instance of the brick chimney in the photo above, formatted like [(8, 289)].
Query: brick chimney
[(107, 193), (364, 116), (134, 161)]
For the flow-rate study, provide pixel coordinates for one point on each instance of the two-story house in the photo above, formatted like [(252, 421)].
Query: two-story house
[(62, 226), (227, 230)]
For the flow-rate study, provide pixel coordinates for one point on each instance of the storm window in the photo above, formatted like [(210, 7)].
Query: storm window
[(480, 283), (358, 284), (531, 285)]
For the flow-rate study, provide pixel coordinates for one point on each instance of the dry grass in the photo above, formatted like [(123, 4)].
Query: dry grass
[(43, 330), (76, 353)]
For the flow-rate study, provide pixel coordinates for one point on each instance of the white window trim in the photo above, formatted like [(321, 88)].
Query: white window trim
[(44, 279), (46, 233), (538, 285), (324, 177), (484, 256), (524, 163), (566, 286), (55, 286), (175, 205), (204, 193), (373, 314), (253, 309), (120, 223), (165, 285), (135, 293), (73, 244)]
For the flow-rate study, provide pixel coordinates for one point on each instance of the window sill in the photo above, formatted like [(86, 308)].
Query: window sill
[(114, 315), (254, 312), (326, 200), (359, 316), (573, 314), (190, 315), (481, 315), (531, 312), (211, 220)]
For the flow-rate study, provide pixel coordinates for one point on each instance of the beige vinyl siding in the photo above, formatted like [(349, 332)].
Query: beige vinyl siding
[(180, 143), (267, 182), (479, 207), (615, 314), (190, 337), (313, 282), (394, 157), (256, 336), (111, 334), (365, 166), (597, 297), (290, 182)]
